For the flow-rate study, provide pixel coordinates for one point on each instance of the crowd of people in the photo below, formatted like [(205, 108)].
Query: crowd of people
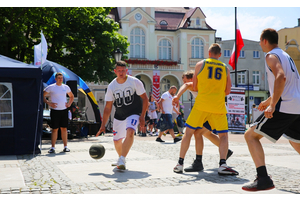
[(209, 84)]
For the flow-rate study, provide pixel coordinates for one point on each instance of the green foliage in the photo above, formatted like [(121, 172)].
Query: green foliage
[(81, 39)]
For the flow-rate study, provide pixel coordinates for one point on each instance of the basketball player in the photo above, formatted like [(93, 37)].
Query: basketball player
[(281, 109), (187, 79), (129, 97), (212, 81)]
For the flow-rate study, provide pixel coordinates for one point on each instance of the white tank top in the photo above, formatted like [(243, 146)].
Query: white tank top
[(289, 101), (194, 93)]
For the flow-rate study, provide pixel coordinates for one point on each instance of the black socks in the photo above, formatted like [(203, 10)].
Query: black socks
[(262, 171), (199, 158), (180, 161), (222, 161)]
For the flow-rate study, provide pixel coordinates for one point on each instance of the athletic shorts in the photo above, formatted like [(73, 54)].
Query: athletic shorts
[(59, 118), (120, 126), (282, 124), (217, 122), (165, 122)]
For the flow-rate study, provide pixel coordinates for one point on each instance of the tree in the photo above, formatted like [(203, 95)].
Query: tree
[(81, 39)]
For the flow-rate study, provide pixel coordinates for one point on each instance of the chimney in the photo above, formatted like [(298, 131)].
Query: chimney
[(298, 21)]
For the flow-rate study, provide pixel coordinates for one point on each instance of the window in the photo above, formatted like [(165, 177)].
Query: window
[(165, 50), (226, 53), (256, 54), (197, 48), (242, 54), (137, 43), (165, 85), (241, 76), (198, 21), (6, 105), (256, 77), (163, 22)]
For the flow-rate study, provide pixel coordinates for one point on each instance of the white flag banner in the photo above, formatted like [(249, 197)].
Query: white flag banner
[(40, 51)]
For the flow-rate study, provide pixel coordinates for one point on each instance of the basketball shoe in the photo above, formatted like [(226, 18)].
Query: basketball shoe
[(260, 183)]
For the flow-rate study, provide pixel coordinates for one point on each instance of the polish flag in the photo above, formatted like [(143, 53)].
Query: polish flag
[(239, 46)]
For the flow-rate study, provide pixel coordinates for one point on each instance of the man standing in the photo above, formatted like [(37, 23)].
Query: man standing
[(129, 97), (281, 110), (165, 121), (212, 81), (59, 109)]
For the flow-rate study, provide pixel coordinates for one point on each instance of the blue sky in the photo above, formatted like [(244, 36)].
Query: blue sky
[(251, 20)]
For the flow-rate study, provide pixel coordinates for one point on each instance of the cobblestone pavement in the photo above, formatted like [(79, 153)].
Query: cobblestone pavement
[(43, 176)]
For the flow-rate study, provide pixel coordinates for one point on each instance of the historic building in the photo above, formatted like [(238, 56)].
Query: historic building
[(252, 60), (289, 39), (164, 42)]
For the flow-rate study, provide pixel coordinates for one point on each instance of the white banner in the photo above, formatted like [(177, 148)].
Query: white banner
[(236, 110), (40, 51)]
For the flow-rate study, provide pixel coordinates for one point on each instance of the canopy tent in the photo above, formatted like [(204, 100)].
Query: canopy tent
[(21, 116), (50, 68)]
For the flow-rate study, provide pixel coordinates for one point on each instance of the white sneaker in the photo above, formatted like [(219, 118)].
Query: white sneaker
[(225, 170), (178, 168), (121, 163), (156, 133), (114, 164), (151, 133)]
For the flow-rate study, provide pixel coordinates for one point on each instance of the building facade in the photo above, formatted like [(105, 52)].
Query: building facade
[(288, 40), (252, 60), (166, 41)]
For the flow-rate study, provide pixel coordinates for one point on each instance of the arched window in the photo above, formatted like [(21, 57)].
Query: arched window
[(6, 105), (165, 50), (163, 22), (137, 43), (165, 85), (197, 48)]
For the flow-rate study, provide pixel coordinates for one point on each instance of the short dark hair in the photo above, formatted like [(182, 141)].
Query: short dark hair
[(215, 49), (58, 74), (121, 63), (188, 74), (270, 35)]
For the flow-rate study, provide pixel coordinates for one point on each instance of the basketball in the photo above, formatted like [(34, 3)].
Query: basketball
[(97, 151)]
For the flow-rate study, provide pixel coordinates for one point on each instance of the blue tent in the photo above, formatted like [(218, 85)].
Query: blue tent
[(51, 68), (21, 107)]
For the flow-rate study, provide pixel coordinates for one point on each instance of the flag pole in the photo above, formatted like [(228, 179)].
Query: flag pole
[(235, 59)]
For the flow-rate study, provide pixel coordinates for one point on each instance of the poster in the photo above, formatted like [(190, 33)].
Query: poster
[(236, 110), (156, 85)]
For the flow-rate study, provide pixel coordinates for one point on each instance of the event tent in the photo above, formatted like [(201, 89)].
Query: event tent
[(21, 107), (51, 68)]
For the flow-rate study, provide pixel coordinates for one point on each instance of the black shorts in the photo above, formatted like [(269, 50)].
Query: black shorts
[(152, 122), (59, 118), (281, 124)]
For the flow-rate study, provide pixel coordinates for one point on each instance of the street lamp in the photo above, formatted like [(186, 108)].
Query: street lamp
[(118, 54)]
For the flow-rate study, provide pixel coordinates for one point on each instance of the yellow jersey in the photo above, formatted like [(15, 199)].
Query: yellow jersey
[(212, 80)]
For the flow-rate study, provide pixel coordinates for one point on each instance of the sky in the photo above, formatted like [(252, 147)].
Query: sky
[(253, 16), (251, 20)]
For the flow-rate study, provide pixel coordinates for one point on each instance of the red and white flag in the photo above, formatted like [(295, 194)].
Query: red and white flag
[(239, 46), (40, 51), (156, 85)]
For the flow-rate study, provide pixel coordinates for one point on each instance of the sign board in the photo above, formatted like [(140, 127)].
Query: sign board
[(236, 110)]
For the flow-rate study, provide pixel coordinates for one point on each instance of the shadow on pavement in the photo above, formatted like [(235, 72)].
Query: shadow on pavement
[(123, 176)]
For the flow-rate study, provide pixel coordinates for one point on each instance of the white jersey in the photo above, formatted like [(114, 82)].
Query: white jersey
[(58, 94), (167, 103), (126, 97), (290, 98)]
